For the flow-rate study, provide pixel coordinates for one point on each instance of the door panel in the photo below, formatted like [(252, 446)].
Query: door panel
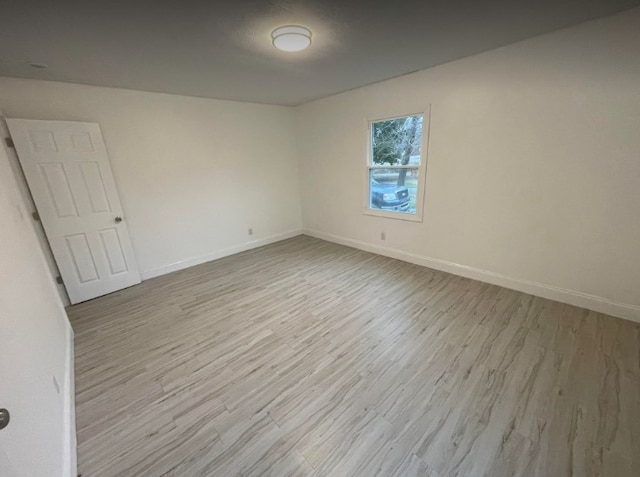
[(59, 191), (95, 186), (69, 175), (82, 142), (113, 250), (82, 257), (42, 141)]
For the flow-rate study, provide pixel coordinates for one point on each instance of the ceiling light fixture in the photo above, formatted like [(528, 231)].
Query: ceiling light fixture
[(291, 38)]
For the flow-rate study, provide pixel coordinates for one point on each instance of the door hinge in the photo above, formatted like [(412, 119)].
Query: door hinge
[(9, 142), (36, 216), (59, 280)]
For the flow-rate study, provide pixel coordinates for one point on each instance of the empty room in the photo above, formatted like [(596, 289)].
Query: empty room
[(320, 238)]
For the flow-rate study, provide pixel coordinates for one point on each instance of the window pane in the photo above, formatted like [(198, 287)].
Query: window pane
[(393, 189), (397, 142)]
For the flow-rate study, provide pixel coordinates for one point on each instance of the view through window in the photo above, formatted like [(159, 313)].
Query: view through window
[(395, 163)]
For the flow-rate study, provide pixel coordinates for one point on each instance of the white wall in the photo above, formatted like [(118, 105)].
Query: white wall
[(35, 350), (193, 174), (533, 177)]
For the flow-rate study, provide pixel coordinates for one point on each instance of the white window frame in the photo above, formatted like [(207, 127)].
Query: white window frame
[(422, 169)]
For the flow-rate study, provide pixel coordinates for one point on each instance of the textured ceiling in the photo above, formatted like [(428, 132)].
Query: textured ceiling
[(222, 49)]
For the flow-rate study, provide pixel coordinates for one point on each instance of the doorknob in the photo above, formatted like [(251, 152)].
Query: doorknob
[(118, 219), (4, 418)]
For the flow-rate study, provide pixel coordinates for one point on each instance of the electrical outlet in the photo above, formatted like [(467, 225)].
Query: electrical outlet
[(250, 231), (383, 236)]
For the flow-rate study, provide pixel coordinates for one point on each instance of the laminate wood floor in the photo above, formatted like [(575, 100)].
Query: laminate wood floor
[(307, 358)]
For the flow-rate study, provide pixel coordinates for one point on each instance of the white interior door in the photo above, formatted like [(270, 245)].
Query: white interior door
[(68, 172)]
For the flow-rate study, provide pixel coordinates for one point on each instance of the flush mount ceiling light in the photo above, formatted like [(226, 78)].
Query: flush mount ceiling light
[(291, 38)]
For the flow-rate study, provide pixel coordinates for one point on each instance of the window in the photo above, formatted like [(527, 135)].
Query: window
[(395, 167)]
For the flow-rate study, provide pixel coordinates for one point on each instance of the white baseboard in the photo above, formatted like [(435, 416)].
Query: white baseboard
[(190, 262), (70, 457), (572, 297)]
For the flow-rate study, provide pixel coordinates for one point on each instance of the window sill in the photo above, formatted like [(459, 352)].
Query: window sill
[(393, 215)]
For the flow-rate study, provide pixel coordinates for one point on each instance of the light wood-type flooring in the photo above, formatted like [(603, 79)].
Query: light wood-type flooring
[(308, 358)]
